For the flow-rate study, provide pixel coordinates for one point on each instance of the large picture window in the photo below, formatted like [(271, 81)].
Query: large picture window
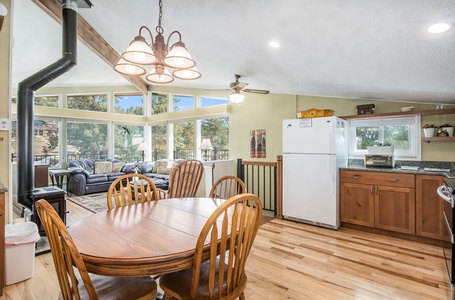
[(46, 141), (159, 103), (183, 103), (87, 102), (129, 103), (49, 101), (217, 130), (126, 142), (403, 133), (159, 140), (86, 140), (184, 140)]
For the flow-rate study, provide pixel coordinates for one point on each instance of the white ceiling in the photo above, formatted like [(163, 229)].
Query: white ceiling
[(375, 49)]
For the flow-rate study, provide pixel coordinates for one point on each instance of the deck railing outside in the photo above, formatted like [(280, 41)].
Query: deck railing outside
[(54, 160)]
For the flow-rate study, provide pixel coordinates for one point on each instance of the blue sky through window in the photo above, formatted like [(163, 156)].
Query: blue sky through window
[(186, 102)]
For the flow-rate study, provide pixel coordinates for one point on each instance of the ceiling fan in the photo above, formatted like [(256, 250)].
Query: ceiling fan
[(237, 86)]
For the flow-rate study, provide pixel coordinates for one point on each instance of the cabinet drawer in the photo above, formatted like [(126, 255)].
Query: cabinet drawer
[(378, 178)]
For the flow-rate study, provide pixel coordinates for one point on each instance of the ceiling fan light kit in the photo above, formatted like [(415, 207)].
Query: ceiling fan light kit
[(160, 55), (236, 97), (237, 87)]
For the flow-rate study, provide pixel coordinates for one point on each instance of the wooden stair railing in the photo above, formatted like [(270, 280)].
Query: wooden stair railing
[(265, 180)]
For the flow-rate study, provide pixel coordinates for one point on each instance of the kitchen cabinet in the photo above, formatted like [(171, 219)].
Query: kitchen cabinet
[(378, 199), (357, 203), (429, 207)]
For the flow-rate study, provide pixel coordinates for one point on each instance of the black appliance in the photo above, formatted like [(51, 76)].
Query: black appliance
[(447, 193), (56, 198)]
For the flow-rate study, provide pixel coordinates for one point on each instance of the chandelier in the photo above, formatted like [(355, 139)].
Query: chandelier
[(159, 55)]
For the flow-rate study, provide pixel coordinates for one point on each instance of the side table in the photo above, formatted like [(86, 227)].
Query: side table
[(59, 174)]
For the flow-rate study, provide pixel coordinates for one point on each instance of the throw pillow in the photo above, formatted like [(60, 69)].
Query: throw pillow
[(117, 166), (103, 167), (159, 163), (164, 167)]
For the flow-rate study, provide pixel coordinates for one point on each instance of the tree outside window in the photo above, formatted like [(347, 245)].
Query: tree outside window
[(131, 104), (86, 140), (87, 102), (126, 140)]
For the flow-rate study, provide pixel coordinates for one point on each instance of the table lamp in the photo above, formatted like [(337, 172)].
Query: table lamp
[(142, 146), (206, 145)]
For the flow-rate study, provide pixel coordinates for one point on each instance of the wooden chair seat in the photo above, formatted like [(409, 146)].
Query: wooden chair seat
[(230, 230), (180, 284), (120, 288)]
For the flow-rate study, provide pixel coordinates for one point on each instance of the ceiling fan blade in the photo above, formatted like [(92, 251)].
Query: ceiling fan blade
[(256, 91), (238, 85)]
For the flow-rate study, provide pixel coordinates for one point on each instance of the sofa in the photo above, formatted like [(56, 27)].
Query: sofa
[(96, 175)]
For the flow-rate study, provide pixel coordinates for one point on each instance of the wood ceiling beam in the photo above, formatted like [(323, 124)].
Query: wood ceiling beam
[(92, 39)]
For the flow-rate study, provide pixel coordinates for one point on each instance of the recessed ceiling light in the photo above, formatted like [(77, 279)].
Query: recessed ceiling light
[(274, 44), (439, 27)]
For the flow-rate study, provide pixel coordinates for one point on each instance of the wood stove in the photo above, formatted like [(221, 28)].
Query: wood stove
[(55, 196)]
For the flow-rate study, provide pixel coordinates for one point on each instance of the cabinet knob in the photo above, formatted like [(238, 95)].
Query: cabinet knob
[(355, 176)]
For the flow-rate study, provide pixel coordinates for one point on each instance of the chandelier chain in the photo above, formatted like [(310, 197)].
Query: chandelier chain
[(160, 29)]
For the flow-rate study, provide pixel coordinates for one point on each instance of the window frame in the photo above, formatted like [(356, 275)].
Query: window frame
[(414, 152)]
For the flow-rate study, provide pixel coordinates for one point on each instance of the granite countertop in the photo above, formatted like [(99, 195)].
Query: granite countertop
[(3, 189), (421, 171)]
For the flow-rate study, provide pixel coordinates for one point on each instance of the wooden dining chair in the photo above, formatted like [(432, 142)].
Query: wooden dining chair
[(226, 187), (230, 230), (67, 258), (131, 189), (184, 179)]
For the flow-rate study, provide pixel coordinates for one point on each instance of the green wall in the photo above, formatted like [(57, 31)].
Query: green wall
[(267, 112)]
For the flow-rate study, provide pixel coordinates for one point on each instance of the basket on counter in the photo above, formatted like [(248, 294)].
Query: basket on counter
[(315, 113)]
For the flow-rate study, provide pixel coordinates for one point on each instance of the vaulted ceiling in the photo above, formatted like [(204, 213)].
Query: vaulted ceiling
[(376, 49)]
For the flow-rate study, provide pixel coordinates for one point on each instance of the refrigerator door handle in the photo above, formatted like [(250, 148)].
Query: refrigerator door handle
[(334, 174)]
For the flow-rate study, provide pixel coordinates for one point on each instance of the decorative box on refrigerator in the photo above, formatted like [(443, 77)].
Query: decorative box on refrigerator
[(313, 151)]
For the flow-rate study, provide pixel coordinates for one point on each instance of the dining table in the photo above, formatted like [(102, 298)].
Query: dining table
[(149, 238)]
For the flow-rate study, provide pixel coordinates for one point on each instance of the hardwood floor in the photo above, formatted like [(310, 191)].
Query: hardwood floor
[(296, 261)]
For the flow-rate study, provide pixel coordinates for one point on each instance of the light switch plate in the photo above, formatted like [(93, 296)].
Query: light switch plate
[(5, 124)]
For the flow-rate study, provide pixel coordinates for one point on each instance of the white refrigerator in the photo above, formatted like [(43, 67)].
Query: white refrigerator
[(313, 151)]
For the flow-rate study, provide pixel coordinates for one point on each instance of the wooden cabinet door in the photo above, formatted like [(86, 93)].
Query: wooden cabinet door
[(357, 204), (2, 243), (429, 207), (395, 209)]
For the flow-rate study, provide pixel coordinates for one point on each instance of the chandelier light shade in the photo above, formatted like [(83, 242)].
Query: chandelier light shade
[(138, 52), (158, 54), (159, 74), (236, 97), (128, 68), (187, 74), (179, 58)]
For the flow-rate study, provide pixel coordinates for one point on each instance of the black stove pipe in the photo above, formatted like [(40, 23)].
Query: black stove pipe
[(26, 107)]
